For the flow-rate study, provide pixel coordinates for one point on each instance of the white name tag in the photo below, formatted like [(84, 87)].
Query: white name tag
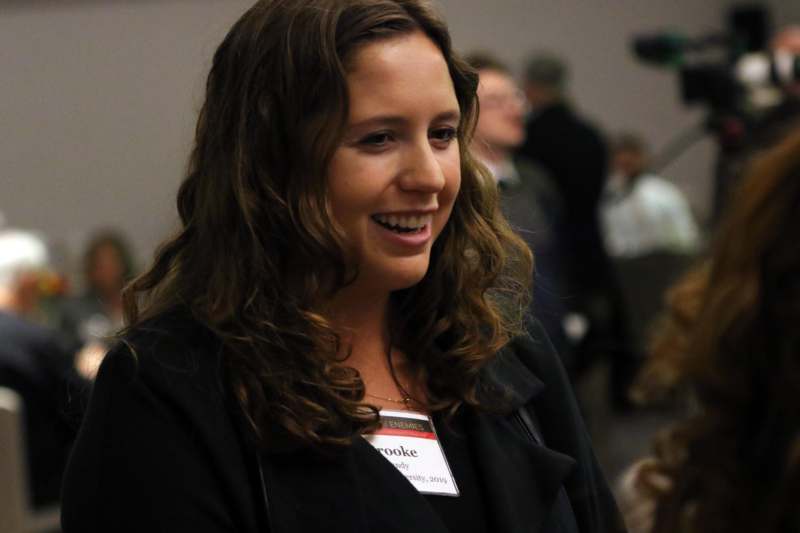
[(409, 442)]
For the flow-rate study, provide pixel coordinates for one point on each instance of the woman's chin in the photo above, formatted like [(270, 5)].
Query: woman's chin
[(402, 276)]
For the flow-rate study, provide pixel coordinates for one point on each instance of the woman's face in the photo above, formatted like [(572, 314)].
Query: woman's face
[(107, 271), (394, 178)]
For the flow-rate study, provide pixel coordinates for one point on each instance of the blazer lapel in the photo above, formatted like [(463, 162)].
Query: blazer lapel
[(522, 478)]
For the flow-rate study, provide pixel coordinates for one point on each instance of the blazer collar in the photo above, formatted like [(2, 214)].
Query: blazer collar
[(507, 384)]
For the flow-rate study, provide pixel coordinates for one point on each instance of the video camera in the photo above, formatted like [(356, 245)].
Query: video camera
[(742, 78), (751, 93)]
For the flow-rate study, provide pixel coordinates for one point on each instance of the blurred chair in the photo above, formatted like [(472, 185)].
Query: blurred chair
[(15, 510)]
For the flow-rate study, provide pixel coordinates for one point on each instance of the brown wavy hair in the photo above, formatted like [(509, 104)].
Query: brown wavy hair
[(734, 340), (257, 252)]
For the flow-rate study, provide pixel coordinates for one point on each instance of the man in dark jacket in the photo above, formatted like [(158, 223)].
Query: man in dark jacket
[(574, 153)]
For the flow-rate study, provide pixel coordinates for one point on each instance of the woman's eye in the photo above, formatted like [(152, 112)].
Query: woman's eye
[(443, 135), (377, 140)]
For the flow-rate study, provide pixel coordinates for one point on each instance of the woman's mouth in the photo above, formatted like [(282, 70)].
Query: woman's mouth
[(403, 223)]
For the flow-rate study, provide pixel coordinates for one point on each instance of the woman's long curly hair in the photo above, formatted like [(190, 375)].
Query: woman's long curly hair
[(734, 340), (258, 251)]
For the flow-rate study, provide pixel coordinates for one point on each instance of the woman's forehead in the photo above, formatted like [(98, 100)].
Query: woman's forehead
[(402, 73)]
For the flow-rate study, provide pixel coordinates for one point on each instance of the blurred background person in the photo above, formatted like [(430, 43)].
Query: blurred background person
[(528, 197), (36, 364), (574, 153), (642, 212), (96, 314), (733, 342), (651, 236)]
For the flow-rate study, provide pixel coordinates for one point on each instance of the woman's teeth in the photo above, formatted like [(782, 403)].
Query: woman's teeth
[(403, 223)]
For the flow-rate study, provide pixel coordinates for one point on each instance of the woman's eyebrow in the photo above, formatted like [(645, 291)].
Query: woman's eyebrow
[(452, 114), (399, 120), (380, 120)]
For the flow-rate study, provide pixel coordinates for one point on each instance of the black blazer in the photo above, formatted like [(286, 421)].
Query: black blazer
[(163, 448)]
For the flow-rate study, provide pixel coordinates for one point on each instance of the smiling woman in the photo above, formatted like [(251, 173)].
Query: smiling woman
[(342, 282), (394, 180)]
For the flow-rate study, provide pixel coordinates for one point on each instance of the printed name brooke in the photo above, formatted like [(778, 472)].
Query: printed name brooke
[(402, 451)]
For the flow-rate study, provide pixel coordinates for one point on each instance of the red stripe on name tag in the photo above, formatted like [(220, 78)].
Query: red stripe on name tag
[(406, 433)]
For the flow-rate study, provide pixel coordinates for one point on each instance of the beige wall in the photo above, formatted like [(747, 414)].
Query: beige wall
[(785, 11), (98, 98), (97, 109)]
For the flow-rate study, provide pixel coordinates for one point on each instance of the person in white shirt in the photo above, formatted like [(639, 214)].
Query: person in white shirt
[(642, 213)]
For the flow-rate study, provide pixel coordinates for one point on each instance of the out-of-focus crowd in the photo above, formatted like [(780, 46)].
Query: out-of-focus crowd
[(697, 326), (52, 340)]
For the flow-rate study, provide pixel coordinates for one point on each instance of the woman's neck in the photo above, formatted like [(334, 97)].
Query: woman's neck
[(362, 323), (361, 320)]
